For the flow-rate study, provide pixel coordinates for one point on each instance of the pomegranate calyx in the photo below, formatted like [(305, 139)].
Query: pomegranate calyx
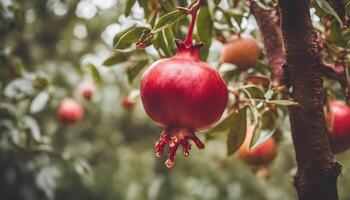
[(176, 137), (191, 50)]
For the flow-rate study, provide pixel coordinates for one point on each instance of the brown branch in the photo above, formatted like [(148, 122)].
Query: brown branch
[(339, 73), (272, 39), (339, 7), (317, 170)]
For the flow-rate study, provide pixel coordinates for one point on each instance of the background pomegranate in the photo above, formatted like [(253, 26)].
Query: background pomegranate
[(262, 155), (182, 94), (241, 51), (70, 111), (340, 134), (86, 90)]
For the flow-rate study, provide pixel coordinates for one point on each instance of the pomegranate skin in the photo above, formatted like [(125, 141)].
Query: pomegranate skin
[(262, 155), (241, 51), (70, 111), (340, 135), (184, 92)]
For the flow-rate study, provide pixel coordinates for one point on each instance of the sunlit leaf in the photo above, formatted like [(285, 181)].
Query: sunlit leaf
[(95, 73), (168, 19), (19, 88), (115, 58), (130, 37), (325, 6), (33, 126), (236, 136), (39, 102)]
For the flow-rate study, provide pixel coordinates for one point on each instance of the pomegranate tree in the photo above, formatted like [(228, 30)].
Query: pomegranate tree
[(183, 95), (241, 51), (339, 113), (70, 111)]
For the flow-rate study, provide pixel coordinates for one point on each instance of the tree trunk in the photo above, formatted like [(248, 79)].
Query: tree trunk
[(317, 170)]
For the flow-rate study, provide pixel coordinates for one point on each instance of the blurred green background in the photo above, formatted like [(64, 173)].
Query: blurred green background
[(51, 46)]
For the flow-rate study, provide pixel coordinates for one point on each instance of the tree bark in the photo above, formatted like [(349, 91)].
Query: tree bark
[(317, 170), (272, 38)]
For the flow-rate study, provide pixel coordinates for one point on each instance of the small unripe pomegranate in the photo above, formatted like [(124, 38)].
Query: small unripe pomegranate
[(262, 155), (128, 103), (241, 51), (340, 134), (130, 99), (70, 111), (86, 90), (182, 94)]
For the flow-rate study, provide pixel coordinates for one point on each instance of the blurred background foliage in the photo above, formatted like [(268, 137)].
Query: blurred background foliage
[(48, 48)]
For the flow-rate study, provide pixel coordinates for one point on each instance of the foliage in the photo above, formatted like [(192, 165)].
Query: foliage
[(49, 47)]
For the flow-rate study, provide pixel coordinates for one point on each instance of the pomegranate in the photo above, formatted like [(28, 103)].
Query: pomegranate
[(70, 111), (128, 103), (262, 155), (340, 134), (241, 51), (182, 94), (86, 90)]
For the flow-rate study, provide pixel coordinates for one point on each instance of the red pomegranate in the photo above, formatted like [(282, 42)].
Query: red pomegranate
[(262, 155), (241, 51), (340, 135), (70, 111), (182, 94), (86, 90)]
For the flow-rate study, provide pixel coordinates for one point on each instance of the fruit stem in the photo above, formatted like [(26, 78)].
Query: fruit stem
[(193, 11)]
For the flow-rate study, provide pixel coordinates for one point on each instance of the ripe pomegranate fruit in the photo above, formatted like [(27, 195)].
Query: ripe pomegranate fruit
[(340, 134), (70, 111), (262, 155), (86, 90), (241, 51), (182, 94)]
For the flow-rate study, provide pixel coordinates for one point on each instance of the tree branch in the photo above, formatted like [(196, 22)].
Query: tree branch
[(272, 39), (338, 73), (317, 171)]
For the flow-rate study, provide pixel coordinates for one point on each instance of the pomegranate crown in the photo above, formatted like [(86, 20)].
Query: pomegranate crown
[(191, 50)]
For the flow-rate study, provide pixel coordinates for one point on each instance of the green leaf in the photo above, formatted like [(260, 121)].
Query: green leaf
[(167, 5), (204, 30), (121, 33), (253, 91), (282, 102), (236, 136), (260, 136), (130, 37), (95, 73), (325, 6), (169, 36), (19, 88), (115, 58), (32, 125), (204, 25), (163, 44), (233, 127), (135, 69), (153, 18), (39, 102), (168, 19), (128, 6)]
